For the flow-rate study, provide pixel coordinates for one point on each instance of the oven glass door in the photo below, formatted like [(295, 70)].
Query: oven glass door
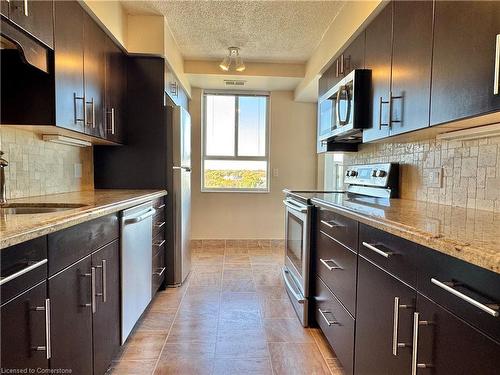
[(295, 241)]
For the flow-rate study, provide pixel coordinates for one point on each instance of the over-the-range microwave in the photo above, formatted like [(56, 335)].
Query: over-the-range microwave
[(344, 110)]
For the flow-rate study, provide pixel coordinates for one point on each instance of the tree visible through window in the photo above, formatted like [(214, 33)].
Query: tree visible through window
[(235, 142)]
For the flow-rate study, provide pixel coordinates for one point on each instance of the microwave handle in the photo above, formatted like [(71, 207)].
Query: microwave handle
[(339, 120)]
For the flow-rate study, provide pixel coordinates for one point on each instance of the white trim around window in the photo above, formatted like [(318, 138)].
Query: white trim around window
[(235, 157)]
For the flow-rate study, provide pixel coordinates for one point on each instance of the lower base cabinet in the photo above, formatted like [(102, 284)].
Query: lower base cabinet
[(70, 292), (23, 331), (447, 345), (384, 319), (106, 319)]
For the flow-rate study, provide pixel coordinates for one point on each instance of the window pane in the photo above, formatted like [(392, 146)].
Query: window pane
[(252, 117), (220, 126), (235, 174)]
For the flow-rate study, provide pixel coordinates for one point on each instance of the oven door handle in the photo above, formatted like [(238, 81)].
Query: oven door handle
[(295, 206), (291, 287)]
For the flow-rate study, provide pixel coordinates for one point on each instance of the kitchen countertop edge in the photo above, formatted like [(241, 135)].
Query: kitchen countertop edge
[(75, 218)]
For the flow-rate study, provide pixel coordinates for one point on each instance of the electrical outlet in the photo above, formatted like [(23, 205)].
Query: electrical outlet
[(275, 172), (78, 170), (435, 178)]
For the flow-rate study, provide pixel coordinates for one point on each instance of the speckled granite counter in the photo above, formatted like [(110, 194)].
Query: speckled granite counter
[(15, 229), (467, 234)]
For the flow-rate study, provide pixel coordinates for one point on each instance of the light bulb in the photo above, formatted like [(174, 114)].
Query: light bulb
[(225, 63), (240, 66)]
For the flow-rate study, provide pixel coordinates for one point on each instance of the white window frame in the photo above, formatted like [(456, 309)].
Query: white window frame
[(204, 156)]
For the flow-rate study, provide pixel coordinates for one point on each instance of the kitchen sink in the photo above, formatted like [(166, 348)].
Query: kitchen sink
[(37, 208)]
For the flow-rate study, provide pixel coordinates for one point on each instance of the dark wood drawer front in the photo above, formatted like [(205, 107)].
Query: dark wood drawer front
[(159, 203), (436, 273), (341, 228), (158, 271), (159, 222), (159, 242), (336, 324), (336, 265), (30, 256), (71, 244), (392, 253)]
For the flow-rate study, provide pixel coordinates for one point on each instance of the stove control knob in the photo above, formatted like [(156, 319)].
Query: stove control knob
[(348, 173), (381, 173), (354, 173), (374, 173)]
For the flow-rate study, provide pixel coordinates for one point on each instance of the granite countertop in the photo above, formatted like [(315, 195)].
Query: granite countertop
[(18, 228), (468, 234)]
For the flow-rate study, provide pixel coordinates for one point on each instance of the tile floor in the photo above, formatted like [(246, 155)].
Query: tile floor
[(232, 316)]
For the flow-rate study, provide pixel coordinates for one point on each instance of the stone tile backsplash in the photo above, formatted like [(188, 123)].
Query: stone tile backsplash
[(470, 170), (37, 167)]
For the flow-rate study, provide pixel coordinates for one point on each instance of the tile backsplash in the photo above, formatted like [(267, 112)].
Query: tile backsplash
[(470, 170), (37, 167)]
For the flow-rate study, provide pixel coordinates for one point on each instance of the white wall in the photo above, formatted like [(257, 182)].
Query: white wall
[(257, 215)]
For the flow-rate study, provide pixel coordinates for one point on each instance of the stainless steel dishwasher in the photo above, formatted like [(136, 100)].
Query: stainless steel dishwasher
[(136, 264)]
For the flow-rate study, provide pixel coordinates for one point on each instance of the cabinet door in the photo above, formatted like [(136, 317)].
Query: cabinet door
[(384, 314), (411, 65), (450, 345), (116, 85), (23, 330), (378, 59), (4, 8), (94, 41), (68, 62), (354, 55), (70, 292), (463, 65), (106, 320), (36, 17)]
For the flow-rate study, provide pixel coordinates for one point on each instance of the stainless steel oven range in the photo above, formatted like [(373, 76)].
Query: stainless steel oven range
[(365, 184)]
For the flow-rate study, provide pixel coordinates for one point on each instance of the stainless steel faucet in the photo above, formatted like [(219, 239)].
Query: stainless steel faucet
[(3, 191)]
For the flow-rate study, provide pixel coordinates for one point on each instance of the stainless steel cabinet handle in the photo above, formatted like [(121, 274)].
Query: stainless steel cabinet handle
[(112, 113), (295, 206), (328, 321), (492, 309), (31, 267), (395, 326), (104, 280), (385, 254), (342, 64), (161, 272), (48, 347), (330, 268), (159, 244), (380, 124), (414, 355), (26, 10), (76, 119), (496, 81), (187, 169), (92, 109), (161, 206), (331, 224), (159, 225), (337, 68), (93, 293)]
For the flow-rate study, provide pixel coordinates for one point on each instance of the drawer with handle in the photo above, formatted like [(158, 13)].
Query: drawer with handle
[(159, 270), (343, 229), (22, 266), (159, 242), (336, 265), (159, 203), (159, 222), (336, 323), (394, 254), (468, 291)]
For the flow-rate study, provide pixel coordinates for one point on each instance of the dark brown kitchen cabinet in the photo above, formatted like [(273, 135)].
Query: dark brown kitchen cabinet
[(68, 66), (23, 335), (35, 17), (411, 66), (106, 319), (384, 318), (94, 64), (463, 70), (4, 8), (174, 89), (354, 55), (378, 58), (70, 292), (116, 86), (448, 345)]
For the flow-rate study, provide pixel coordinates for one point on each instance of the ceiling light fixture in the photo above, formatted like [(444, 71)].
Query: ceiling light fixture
[(233, 58)]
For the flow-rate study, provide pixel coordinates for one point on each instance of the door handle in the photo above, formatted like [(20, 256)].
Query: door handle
[(328, 321), (295, 206), (76, 119), (104, 280), (31, 267), (92, 303), (395, 326), (380, 123), (496, 79), (330, 268), (414, 355), (48, 346), (187, 169), (136, 219), (385, 254)]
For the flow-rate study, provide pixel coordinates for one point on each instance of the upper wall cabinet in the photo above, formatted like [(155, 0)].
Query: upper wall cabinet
[(465, 56), (34, 17), (378, 60), (411, 65)]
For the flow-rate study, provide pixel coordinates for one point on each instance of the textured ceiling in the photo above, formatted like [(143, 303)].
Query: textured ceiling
[(280, 31)]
